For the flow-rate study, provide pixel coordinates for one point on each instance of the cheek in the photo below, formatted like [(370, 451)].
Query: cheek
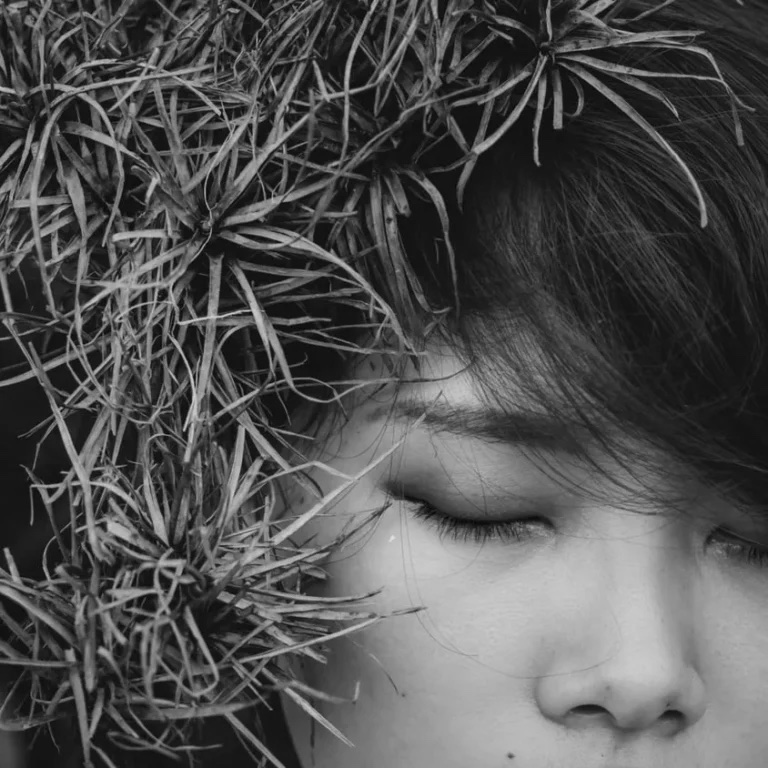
[(734, 644), (448, 670), (469, 666), (483, 617)]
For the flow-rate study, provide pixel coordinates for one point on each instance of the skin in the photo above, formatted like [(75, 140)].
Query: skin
[(613, 634)]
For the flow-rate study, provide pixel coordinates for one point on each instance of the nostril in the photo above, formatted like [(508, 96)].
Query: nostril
[(589, 709), (669, 721)]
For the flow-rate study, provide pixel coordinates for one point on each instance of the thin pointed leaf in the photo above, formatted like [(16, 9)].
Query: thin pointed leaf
[(665, 38), (581, 100), (541, 100), (514, 116), (557, 99), (632, 113), (623, 75), (651, 11)]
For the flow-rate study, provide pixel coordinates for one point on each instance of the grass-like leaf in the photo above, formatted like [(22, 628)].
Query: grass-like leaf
[(195, 192)]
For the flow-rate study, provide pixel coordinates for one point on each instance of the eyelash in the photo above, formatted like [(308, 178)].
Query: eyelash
[(476, 531), (480, 532), (740, 549)]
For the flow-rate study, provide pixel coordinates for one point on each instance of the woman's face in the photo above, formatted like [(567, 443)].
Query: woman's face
[(575, 630)]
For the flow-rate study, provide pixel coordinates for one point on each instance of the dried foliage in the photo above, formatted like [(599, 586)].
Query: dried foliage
[(199, 189)]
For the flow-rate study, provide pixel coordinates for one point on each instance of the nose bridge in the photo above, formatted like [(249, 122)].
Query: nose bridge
[(629, 652), (639, 596), (641, 566)]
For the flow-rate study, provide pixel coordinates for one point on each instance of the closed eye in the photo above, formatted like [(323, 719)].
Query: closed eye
[(728, 544), (475, 530)]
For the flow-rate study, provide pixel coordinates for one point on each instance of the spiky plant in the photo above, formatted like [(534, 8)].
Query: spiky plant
[(201, 191)]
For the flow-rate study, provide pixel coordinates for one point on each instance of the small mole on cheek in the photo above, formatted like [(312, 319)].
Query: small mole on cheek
[(510, 756)]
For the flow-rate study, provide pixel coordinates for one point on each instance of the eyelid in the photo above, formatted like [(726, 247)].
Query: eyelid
[(479, 531), (483, 500), (722, 532), (463, 508)]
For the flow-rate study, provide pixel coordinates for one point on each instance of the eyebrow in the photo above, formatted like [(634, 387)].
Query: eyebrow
[(524, 428)]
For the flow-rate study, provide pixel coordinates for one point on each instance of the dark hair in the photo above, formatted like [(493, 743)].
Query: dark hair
[(589, 282)]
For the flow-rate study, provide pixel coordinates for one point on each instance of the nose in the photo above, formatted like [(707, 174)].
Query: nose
[(623, 653)]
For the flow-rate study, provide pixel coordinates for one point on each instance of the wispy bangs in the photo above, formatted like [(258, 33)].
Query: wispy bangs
[(589, 284)]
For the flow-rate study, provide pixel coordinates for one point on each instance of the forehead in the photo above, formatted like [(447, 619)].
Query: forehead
[(441, 397), (444, 393)]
